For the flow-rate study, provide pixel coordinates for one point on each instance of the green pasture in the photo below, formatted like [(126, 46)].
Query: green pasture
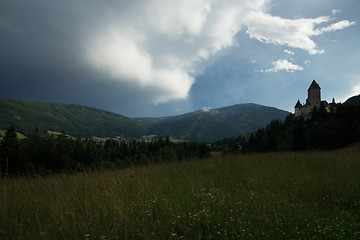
[(312, 195)]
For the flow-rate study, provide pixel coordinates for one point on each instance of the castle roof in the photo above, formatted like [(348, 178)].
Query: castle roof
[(314, 85), (298, 104)]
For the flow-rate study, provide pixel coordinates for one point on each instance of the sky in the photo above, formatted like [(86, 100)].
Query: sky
[(151, 58)]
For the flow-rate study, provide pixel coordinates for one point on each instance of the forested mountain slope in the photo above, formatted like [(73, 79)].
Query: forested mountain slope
[(75, 120), (214, 124), (204, 125), (355, 100)]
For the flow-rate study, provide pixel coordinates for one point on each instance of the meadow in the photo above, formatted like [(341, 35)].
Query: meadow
[(290, 195)]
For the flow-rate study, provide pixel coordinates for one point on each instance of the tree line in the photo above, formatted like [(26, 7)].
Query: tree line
[(47, 153), (325, 130)]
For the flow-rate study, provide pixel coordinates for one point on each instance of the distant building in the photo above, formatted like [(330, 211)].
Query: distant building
[(313, 101)]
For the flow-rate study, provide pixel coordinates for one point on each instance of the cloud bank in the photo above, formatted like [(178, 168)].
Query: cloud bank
[(158, 44), (159, 48)]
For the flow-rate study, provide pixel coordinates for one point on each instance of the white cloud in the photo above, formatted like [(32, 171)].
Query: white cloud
[(348, 88), (294, 33), (335, 11), (334, 27), (121, 57), (206, 109), (176, 18), (289, 52), (284, 65), (355, 90)]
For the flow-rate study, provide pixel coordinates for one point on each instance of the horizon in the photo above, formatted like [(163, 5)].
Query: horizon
[(162, 58), (204, 109)]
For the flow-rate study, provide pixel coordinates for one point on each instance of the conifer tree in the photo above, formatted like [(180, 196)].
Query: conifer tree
[(9, 151)]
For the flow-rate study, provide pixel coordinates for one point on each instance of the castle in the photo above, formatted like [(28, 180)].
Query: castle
[(313, 101)]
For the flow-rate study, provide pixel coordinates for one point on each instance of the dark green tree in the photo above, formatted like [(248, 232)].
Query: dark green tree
[(10, 158), (33, 148), (299, 142)]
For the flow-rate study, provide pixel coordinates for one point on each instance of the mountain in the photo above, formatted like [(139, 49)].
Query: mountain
[(73, 119), (355, 100), (213, 124), (206, 125)]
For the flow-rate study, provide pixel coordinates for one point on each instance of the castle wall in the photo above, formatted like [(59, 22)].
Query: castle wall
[(306, 111)]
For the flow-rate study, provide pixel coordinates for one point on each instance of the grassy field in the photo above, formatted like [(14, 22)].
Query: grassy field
[(313, 195)]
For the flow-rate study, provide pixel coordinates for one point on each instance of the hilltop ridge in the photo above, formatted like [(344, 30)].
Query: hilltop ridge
[(77, 120), (355, 100)]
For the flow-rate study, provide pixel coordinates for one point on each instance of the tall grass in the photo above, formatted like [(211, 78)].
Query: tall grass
[(313, 195)]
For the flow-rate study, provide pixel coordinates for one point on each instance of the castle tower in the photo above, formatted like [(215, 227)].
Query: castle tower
[(298, 107), (314, 95), (313, 100)]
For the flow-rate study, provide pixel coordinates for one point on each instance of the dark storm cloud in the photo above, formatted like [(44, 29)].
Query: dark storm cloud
[(41, 54), (39, 43)]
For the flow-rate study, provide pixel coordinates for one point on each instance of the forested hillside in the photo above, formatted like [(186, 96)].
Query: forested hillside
[(214, 124), (203, 126), (325, 130), (355, 100), (75, 120)]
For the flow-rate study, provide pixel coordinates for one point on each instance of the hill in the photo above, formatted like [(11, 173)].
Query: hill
[(203, 125), (73, 119), (214, 124), (355, 100)]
